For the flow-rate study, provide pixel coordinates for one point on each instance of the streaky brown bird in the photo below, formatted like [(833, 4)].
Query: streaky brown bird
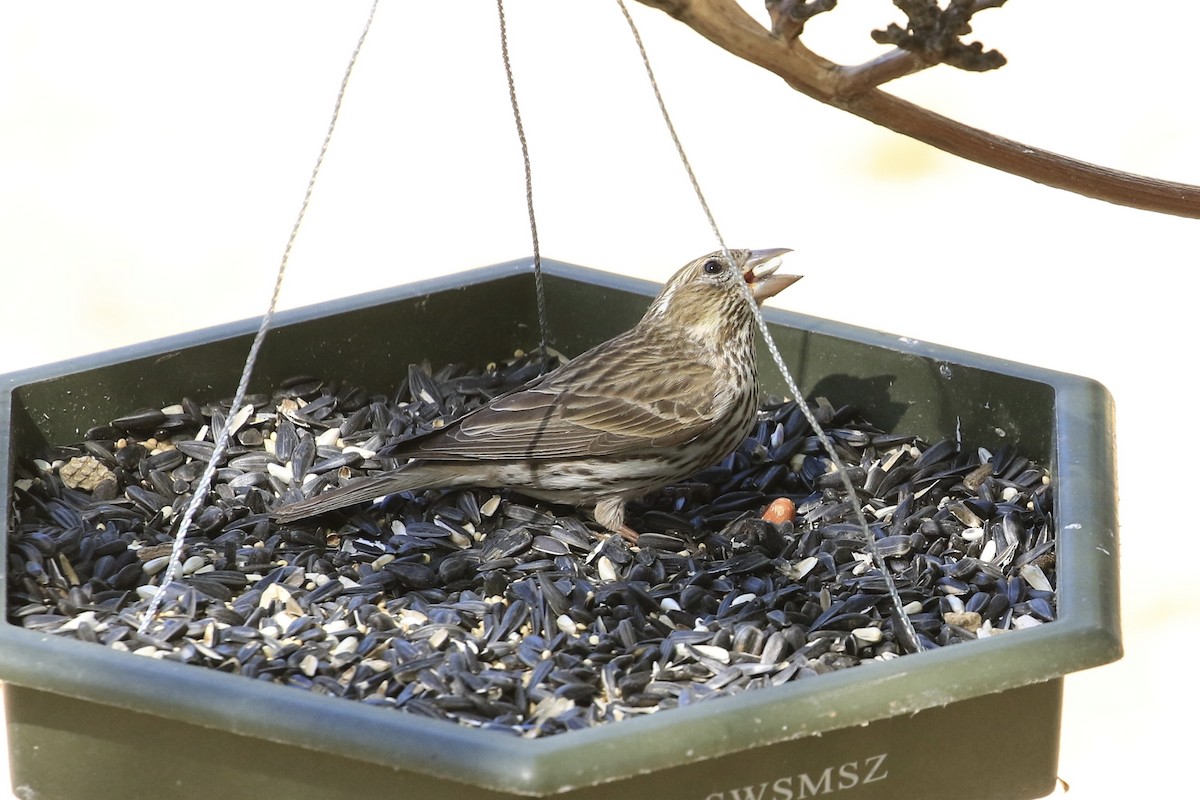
[(669, 397)]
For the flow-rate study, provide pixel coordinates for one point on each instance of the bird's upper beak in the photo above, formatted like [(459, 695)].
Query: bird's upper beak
[(759, 272)]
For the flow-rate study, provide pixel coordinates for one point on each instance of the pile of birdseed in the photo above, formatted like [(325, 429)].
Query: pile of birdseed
[(482, 607)]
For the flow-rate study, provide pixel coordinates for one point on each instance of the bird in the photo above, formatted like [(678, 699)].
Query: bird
[(671, 396)]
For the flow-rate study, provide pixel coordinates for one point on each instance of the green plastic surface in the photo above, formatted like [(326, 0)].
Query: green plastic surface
[(1061, 420)]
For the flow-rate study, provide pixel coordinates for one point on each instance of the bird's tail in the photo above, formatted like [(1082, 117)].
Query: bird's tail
[(357, 491)]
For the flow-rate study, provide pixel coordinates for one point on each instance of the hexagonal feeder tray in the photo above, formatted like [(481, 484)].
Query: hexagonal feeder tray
[(979, 719)]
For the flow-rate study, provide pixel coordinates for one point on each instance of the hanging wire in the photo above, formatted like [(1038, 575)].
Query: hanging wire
[(906, 630), (543, 322), (222, 437)]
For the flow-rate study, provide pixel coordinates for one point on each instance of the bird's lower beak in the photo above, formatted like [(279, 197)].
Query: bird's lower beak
[(759, 272)]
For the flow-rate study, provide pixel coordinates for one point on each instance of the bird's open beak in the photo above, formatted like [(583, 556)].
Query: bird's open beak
[(759, 272)]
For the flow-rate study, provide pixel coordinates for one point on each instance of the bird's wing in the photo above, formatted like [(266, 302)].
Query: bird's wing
[(609, 401)]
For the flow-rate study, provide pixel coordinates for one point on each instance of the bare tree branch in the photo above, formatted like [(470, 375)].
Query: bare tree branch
[(854, 89)]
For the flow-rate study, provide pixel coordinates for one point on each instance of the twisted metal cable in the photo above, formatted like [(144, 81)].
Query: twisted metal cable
[(222, 437), (543, 322), (907, 631)]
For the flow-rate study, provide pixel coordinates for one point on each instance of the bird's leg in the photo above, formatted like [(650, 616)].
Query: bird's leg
[(610, 512), (629, 534)]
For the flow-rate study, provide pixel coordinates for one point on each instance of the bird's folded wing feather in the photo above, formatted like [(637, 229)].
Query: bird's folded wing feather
[(578, 411)]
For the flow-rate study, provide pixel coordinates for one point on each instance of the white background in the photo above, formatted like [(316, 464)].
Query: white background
[(153, 157)]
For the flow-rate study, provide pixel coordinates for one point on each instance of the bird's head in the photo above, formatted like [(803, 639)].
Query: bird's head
[(706, 294)]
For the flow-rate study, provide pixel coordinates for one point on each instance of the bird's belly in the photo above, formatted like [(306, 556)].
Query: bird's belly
[(586, 480), (583, 482)]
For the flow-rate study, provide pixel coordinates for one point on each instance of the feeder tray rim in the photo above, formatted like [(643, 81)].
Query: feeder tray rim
[(1086, 633)]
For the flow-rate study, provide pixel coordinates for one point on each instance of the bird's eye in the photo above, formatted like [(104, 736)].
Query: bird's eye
[(713, 267)]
